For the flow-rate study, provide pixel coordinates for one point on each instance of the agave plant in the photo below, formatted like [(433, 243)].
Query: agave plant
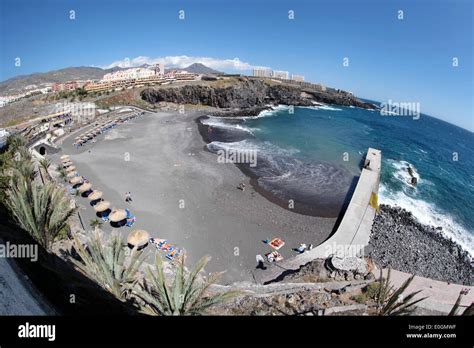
[(186, 296), (457, 305), (391, 301), (41, 210), (108, 264)]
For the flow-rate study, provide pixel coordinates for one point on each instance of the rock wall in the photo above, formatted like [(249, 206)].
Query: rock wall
[(247, 93)]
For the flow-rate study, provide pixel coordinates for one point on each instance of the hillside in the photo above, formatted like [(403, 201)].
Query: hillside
[(19, 83), (38, 80)]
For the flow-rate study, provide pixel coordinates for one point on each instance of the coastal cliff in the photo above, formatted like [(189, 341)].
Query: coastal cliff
[(249, 93)]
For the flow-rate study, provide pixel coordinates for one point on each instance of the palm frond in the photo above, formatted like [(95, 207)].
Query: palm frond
[(187, 294)]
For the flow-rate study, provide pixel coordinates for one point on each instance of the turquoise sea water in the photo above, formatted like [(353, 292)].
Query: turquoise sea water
[(314, 154)]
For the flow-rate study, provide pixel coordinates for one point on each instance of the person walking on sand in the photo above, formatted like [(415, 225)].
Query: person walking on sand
[(128, 197)]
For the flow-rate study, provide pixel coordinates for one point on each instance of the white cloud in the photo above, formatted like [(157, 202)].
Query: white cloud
[(183, 61)]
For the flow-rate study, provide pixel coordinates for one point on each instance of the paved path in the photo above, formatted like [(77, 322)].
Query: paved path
[(441, 295)]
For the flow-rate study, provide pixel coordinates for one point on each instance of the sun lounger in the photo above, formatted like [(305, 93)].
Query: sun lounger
[(130, 221), (173, 254)]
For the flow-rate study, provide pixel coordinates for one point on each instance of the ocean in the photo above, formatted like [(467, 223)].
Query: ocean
[(311, 157)]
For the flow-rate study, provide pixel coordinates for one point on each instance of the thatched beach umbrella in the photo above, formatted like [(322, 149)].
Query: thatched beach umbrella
[(71, 169), (95, 195), (64, 156), (102, 206), (138, 238), (84, 187), (76, 180), (117, 215), (71, 174)]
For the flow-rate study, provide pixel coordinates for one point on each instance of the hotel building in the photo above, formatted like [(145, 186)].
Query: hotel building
[(278, 74), (262, 72), (298, 78)]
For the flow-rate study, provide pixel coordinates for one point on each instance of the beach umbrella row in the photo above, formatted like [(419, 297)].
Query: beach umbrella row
[(92, 133)]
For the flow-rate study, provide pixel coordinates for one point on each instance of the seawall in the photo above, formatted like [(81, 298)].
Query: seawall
[(353, 233)]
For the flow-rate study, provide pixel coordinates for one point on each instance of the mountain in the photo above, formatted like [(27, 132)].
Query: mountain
[(37, 80), (198, 68)]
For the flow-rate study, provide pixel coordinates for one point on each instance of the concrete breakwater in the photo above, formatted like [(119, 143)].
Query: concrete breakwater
[(353, 233)]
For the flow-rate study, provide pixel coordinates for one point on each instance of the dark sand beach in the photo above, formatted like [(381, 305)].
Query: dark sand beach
[(180, 192)]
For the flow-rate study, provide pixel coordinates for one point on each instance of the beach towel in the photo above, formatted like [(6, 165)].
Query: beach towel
[(276, 243)]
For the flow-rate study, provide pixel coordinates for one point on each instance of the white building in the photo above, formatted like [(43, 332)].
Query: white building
[(262, 72), (135, 73), (299, 78), (284, 75)]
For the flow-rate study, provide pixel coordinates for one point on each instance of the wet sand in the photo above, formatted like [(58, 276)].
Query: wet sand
[(180, 192)]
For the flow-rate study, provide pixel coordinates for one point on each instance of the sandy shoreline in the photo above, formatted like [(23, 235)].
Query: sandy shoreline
[(169, 167)]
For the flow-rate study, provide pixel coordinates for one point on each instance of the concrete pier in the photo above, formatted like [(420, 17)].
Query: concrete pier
[(353, 233)]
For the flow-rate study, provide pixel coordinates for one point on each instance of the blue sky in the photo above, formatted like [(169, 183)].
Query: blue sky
[(407, 60)]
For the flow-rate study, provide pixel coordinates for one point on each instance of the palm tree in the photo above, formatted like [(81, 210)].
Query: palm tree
[(108, 265), (186, 296), (390, 301), (62, 173), (95, 223), (45, 163), (41, 210), (14, 142)]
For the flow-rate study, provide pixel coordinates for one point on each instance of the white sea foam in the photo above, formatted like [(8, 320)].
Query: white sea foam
[(428, 214), (401, 172), (327, 107), (265, 113), (220, 122)]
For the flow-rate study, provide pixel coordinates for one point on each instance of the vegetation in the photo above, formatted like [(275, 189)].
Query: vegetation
[(62, 173), (108, 265), (186, 296), (41, 210), (391, 301), (45, 163), (95, 223)]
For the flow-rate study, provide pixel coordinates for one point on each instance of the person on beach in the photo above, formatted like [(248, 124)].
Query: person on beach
[(260, 262), (128, 197)]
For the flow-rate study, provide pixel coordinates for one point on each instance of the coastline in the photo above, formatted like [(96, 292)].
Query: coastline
[(233, 173), (169, 162), (316, 208)]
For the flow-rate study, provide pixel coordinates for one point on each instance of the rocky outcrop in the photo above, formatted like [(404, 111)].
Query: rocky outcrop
[(246, 93), (400, 242)]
